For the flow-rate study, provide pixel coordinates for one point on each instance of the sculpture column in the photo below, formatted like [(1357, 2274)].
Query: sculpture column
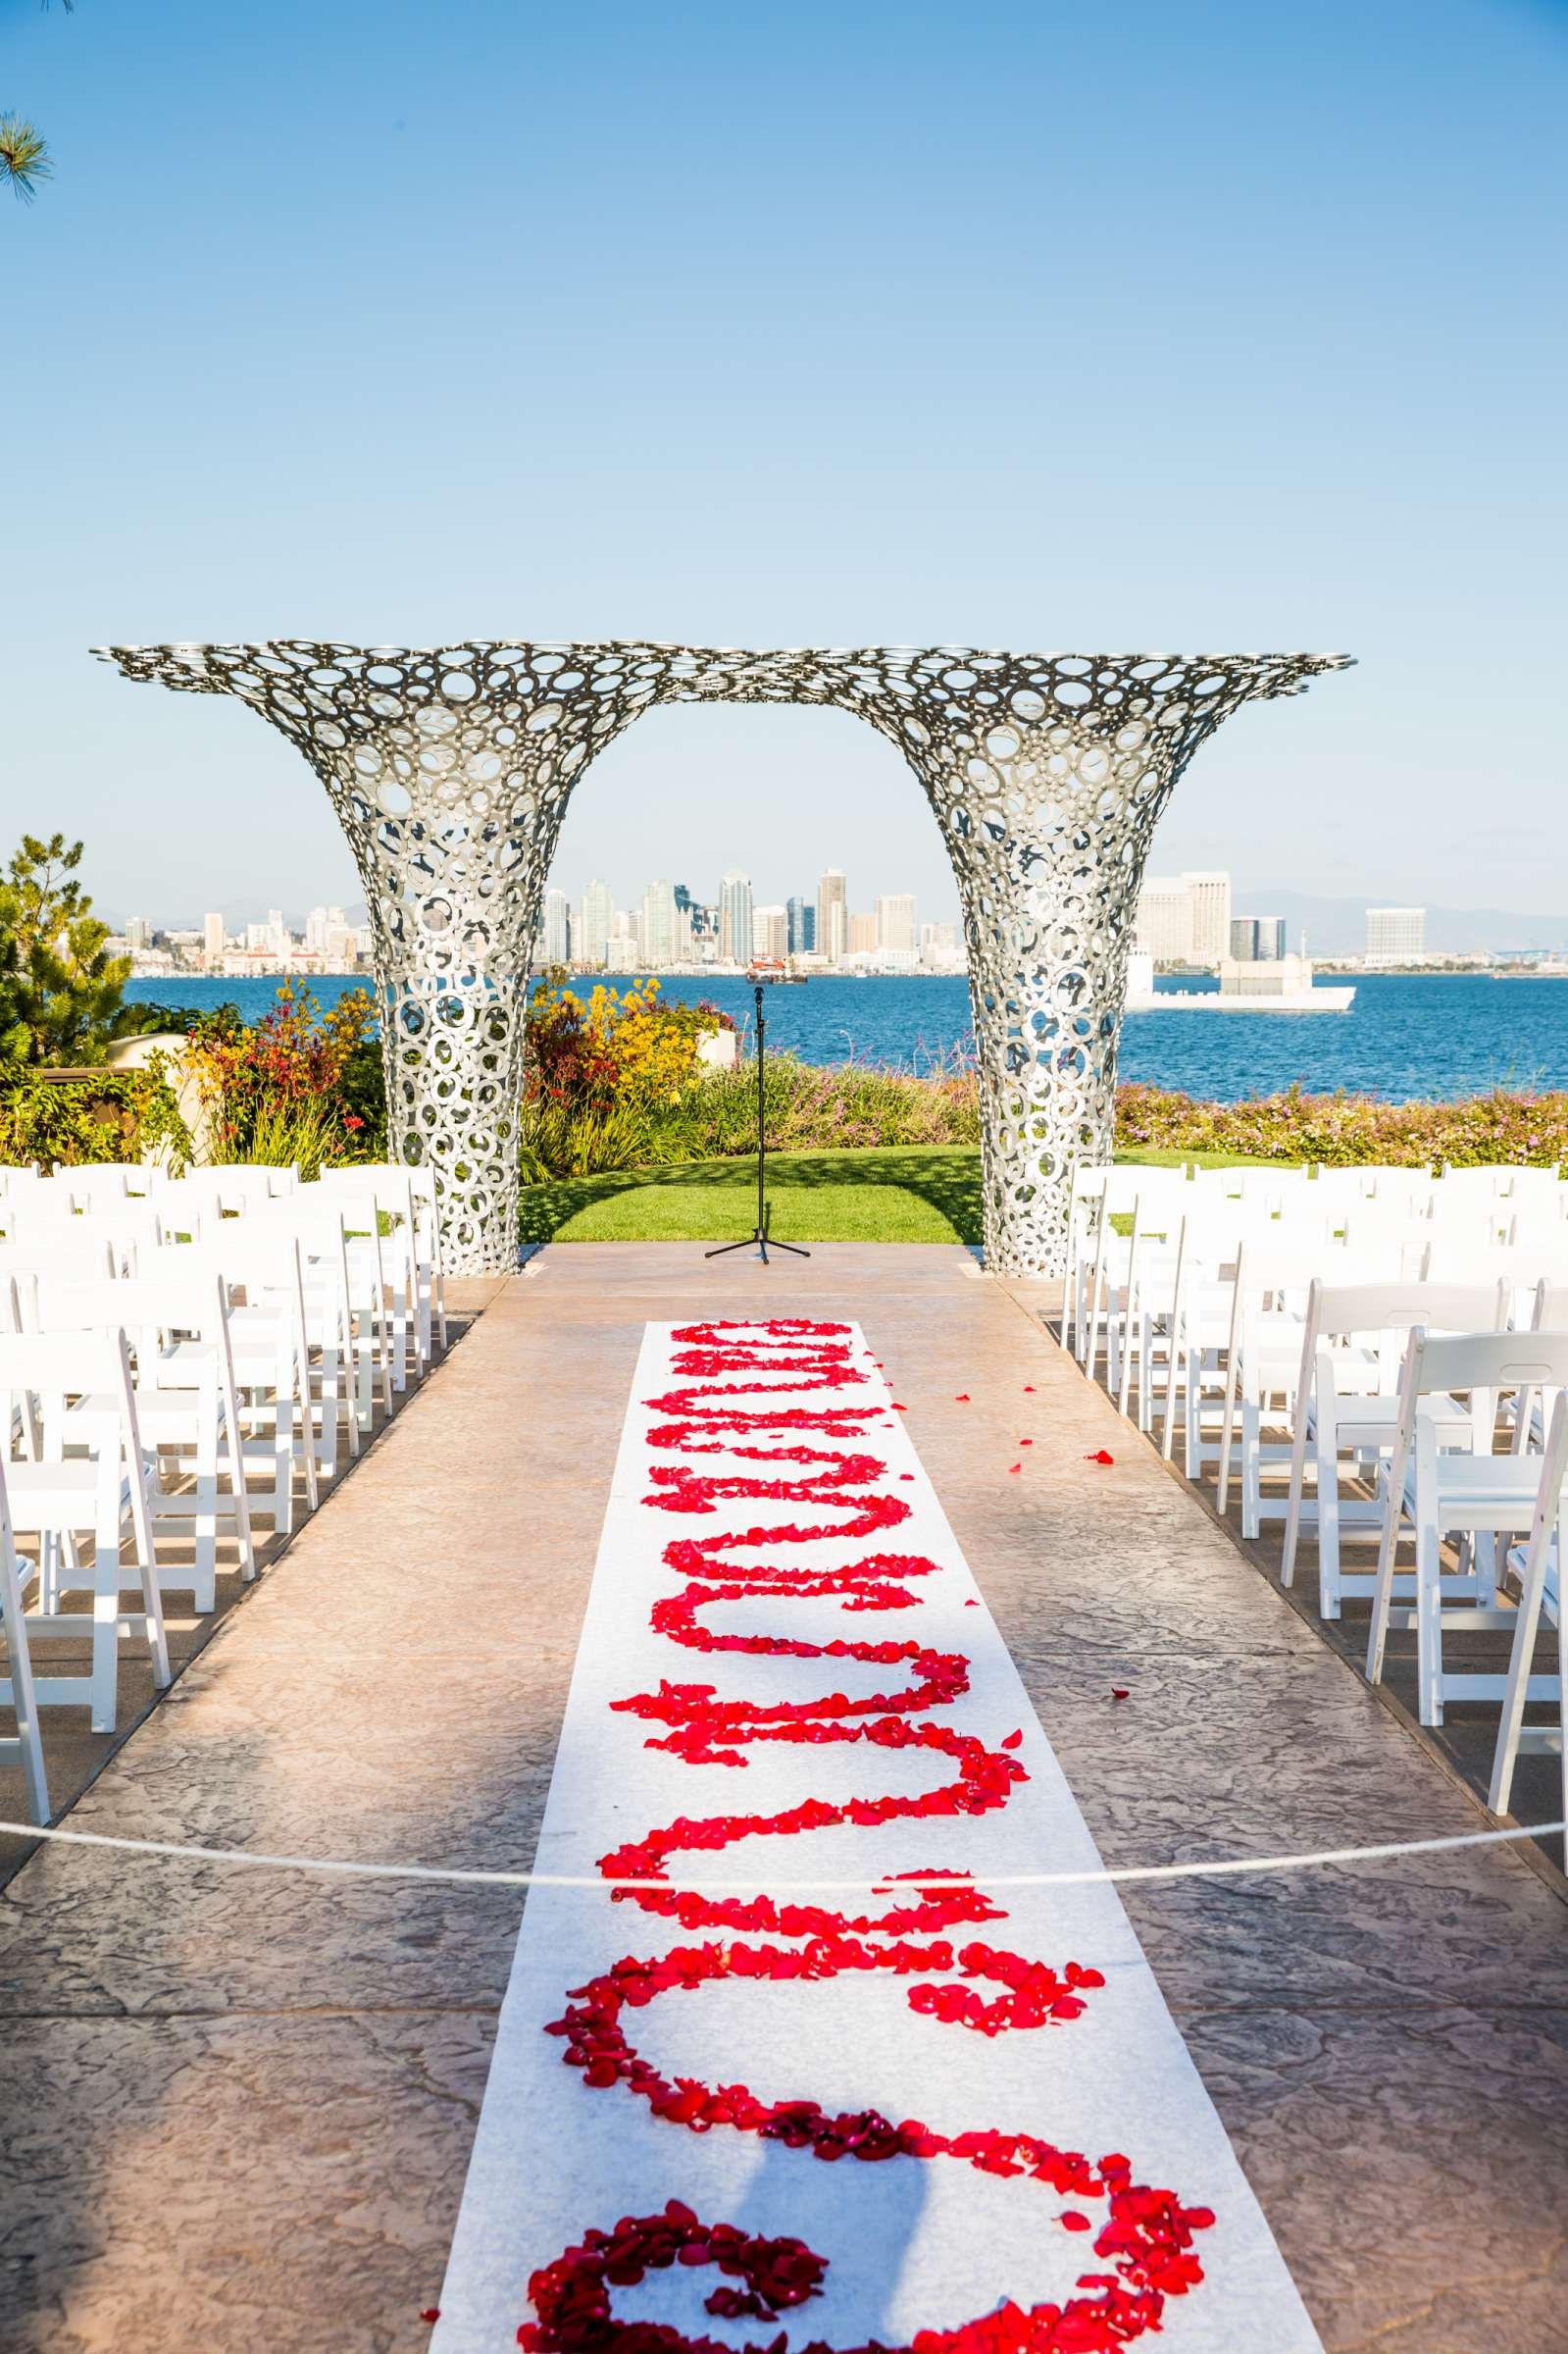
[(1046, 775), (450, 773)]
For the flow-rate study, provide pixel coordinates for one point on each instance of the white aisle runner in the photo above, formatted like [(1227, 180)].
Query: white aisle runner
[(1051, 2175)]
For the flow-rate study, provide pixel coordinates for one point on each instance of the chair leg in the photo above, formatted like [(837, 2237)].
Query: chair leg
[(1330, 1591), (1383, 1590), (1526, 1627), (1429, 1621), (204, 1504), (1251, 1467), (105, 1673), (1298, 1503)]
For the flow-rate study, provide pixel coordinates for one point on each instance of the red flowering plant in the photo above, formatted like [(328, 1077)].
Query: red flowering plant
[(302, 1084)]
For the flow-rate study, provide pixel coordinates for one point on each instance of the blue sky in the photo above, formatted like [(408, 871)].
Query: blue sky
[(1177, 326)]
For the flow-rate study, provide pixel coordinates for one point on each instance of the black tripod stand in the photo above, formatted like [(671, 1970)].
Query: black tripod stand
[(759, 1233)]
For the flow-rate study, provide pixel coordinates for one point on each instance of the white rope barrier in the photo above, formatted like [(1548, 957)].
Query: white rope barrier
[(1239, 1866)]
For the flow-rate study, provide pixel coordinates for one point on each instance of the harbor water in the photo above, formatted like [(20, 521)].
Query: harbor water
[(1434, 1037)]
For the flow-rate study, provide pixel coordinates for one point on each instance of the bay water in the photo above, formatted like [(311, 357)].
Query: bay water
[(1432, 1036)]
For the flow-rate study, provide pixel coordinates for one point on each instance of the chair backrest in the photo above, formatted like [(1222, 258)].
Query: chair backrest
[(75, 1361), (1488, 1362), (1520, 1264), (132, 1226), (183, 1299), (1361, 1311)]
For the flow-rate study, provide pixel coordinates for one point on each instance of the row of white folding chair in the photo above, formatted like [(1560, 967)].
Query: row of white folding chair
[(128, 1226), (1434, 1489), (1209, 1281), (1192, 1298), (98, 1488), (1411, 1250)]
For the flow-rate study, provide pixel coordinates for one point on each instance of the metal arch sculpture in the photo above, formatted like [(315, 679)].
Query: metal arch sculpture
[(450, 771)]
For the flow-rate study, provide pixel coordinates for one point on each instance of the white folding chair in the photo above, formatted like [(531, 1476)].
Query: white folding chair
[(345, 1308), (369, 1198), (85, 1476), (1540, 1569), (174, 1318), (1354, 1345), (1433, 1491), (262, 1345), (1263, 1355), (1089, 1180), (271, 1335)]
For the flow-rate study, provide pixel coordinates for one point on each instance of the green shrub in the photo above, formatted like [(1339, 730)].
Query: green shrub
[(115, 1115), (286, 1089)]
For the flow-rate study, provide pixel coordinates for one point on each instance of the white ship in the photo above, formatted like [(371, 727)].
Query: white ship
[(1279, 985)]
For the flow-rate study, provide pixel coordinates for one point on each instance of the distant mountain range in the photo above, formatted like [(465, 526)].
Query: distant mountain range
[(1338, 927)]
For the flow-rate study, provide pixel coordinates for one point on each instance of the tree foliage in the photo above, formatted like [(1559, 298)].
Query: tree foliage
[(61, 991), (24, 156)]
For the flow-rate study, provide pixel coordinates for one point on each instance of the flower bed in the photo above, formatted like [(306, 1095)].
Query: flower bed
[(1342, 1128)]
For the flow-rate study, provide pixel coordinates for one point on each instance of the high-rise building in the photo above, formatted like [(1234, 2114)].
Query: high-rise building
[(1210, 895), (660, 925), (316, 930), (862, 935), (555, 937), (212, 938), (896, 925), (596, 916), (770, 933), (936, 941), (623, 941), (1258, 939), (1185, 918), (1395, 933), (1164, 924), (138, 931), (832, 915), (802, 916), (735, 919)]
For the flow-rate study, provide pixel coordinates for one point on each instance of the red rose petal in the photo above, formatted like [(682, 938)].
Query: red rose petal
[(432, 2313), (1011, 1740), (1120, 1692), (1014, 1468), (962, 1397), (1100, 1456), (1071, 2220)]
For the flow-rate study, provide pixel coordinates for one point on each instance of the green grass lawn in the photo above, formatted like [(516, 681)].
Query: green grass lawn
[(900, 1193), (903, 1193)]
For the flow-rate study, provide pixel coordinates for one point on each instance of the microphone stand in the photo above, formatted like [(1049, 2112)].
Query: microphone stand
[(759, 1234)]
